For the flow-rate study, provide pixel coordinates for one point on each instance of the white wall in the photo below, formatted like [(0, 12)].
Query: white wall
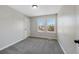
[(35, 33), (26, 26), (66, 29), (11, 27), (77, 27), (77, 22)]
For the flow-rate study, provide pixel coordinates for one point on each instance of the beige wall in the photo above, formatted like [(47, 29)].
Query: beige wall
[(66, 29), (11, 27), (35, 33)]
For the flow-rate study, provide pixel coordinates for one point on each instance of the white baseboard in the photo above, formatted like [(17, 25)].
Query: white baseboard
[(43, 37), (11, 44), (62, 47)]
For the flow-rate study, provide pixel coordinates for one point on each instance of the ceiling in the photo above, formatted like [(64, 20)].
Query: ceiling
[(42, 10)]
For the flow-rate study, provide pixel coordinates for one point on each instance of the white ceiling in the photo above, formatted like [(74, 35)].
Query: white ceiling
[(42, 10)]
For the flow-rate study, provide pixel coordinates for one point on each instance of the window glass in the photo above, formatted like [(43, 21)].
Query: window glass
[(51, 24), (41, 24), (47, 24)]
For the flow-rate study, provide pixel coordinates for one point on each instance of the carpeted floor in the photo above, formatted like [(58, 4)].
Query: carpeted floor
[(34, 46)]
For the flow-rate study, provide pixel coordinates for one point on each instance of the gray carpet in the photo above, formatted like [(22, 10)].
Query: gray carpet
[(34, 46)]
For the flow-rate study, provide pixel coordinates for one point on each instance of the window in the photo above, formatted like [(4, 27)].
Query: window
[(46, 24), (51, 24), (41, 25)]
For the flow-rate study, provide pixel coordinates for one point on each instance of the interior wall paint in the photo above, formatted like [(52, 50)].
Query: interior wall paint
[(77, 28), (35, 33), (66, 29), (11, 26), (26, 26), (77, 22)]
